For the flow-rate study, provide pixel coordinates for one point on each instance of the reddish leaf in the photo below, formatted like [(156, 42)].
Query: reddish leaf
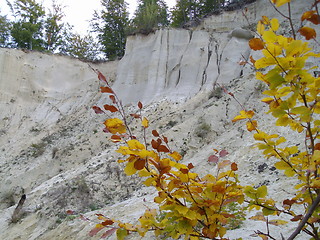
[(308, 32), (97, 110), (139, 164), (70, 212), (317, 146), (256, 44), (165, 139), (315, 19), (190, 166), (113, 98), (288, 202), (135, 115), (115, 138), (107, 222), (223, 153), (213, 159), (95, 230), (106, 90), (155, 133), (102, 77), (296, 218), (140, 105), (234, 167), (109, 233), (165, 170), (252, 60), (184, 170), (84, 218), (163, 148), (110, 108), (155, 144)]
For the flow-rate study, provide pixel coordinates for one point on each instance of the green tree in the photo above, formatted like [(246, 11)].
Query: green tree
[(54, 27), (27, 30), (81, 47), (4, 31), (110, 24), (184, 11), (150, 15)]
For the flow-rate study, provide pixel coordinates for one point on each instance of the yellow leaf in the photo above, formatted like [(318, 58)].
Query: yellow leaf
[(279, 3), (274, 24), (145, 122), (260, 27), (130, 169), (243, 115), (175, 155), (262, 191), (115, 125), (135, 144), (252, 125), (278, 222)]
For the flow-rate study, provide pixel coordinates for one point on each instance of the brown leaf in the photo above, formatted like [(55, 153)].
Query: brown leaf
[(135, 115), (70, 212), (184, 170), (155, 133), (102, 77), (95, 230), (155, 144), (110, 108), (115, 138), (113, 98), (308, 32), (163, 148), (317, 146), (256, 44), (140, 105), (165, 139), (106, 90), (234, 167), (97, 110), (109, 232), (296, 218), (107, 222), (139, 164), (252, 60), (190, 166)]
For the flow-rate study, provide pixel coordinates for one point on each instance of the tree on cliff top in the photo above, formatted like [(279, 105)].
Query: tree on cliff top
[(27, 30), (4, 31), (110, 24), (150, 15)]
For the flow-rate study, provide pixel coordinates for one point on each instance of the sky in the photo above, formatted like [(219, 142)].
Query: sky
[(78, 12)]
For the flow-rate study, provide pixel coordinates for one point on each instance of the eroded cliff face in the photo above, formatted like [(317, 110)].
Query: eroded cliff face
[(53, 149)]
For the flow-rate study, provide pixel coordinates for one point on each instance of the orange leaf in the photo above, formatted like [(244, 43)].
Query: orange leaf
[(307, 15), (106, 90), (139, 164), (252, 125), (315, 19), (308, 32), (107, 222), (102, 77), (252, 60), (234, 167), (155, 133), (110, 108), (190, 166), (113, 98), (317, 146), (97, 110), (163, 148), (184, 170), (256, 44), (115, 138)]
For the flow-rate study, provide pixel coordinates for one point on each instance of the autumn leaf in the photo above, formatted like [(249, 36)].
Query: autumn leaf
[(113, 98), (296, 218), (145, 122), (106, 90), (115, 138), (176, 156), (155, 133), (134, 115), (115, 125), (252, 60), (310, 16), (140, 105), (140, 164), (107, 222), (155, 144), (234, 167), (108, 233), (243, 115), (70, 212), (110, 108), (308, 32), (256, 44), (102, 77), (95, 230), (279, 3), (97, 110), (252, 125), (163, 148), (223, 153), (213, 159)]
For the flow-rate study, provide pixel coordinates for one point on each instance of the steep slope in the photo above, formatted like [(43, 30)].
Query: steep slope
[(53, 149)]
